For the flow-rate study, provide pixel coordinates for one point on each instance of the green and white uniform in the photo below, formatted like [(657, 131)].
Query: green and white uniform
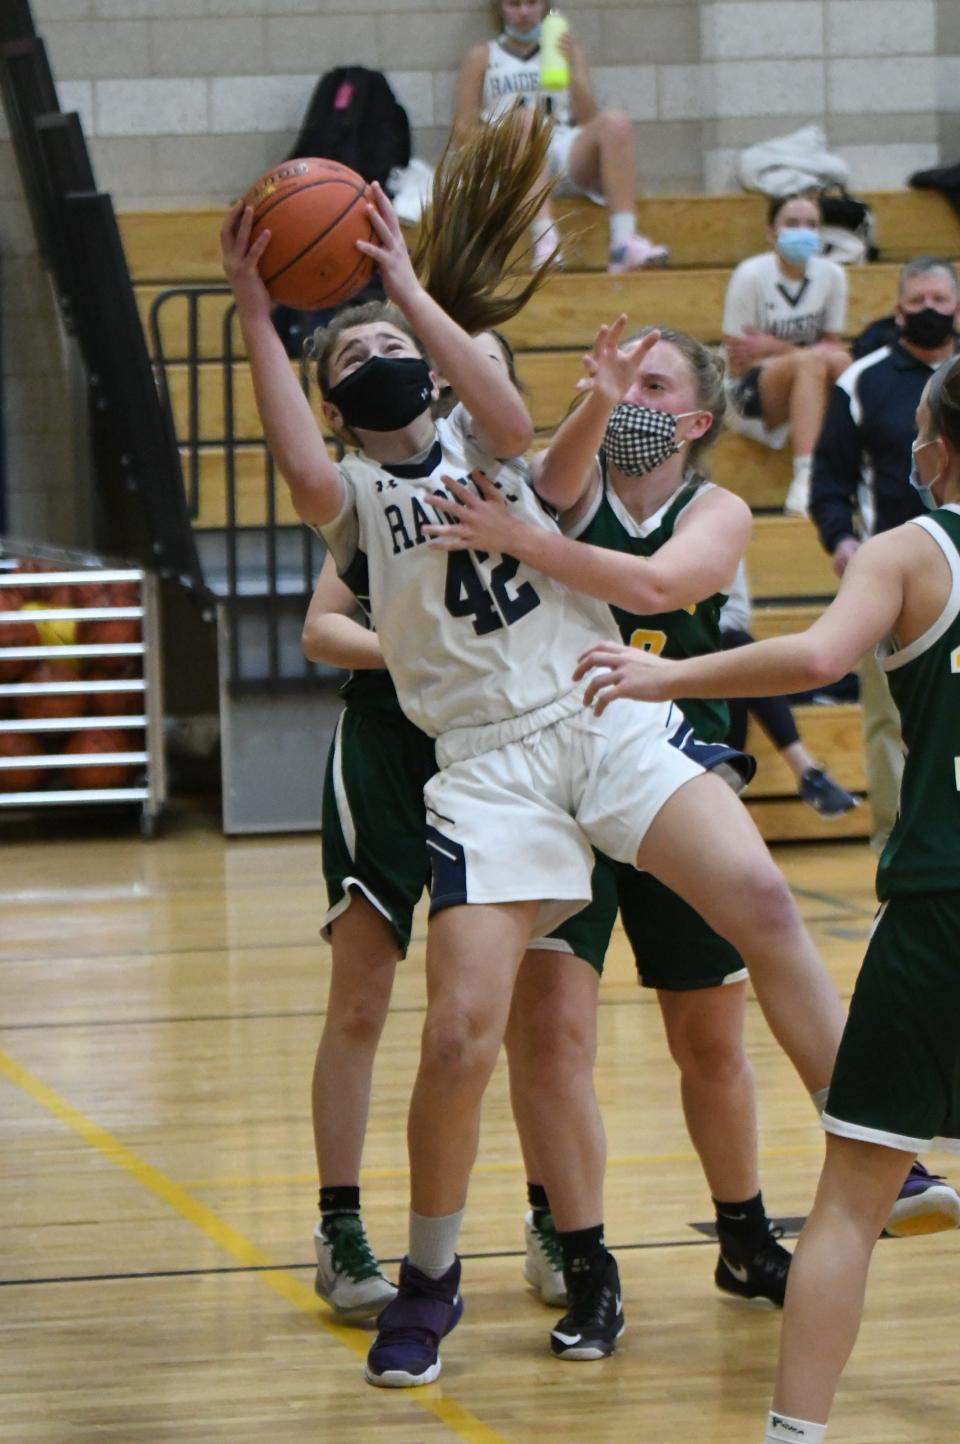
[(674, 948), (897, 1076), (374, 832)]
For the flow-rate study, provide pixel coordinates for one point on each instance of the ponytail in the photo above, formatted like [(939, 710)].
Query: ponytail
[(485, 195), (486, 192)]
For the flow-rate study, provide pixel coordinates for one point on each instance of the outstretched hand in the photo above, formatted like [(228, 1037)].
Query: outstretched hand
[(479, 520), (625, 672), (389, 250), (611, 369), (241, 260)]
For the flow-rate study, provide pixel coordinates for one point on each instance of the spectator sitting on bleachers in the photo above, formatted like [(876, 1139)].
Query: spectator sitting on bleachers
[(591, 150), (775, 715), (783, 323)]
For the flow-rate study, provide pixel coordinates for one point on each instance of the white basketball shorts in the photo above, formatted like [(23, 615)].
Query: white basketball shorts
[(517, 807)]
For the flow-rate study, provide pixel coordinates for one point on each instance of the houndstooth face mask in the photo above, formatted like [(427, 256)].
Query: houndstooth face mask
[(638, 439)]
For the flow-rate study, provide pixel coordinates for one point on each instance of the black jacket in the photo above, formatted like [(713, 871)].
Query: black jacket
[(862, 461)]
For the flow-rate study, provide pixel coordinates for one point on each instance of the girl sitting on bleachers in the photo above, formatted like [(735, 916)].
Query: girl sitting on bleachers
[(783, 323), (591, 150)]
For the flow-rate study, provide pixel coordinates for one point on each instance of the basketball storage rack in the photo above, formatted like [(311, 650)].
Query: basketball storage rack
[(42, 570)]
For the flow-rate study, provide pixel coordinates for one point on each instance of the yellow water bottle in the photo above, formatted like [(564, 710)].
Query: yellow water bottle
[(554, 66)]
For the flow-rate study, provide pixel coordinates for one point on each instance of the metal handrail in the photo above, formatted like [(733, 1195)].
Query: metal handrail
[(279, 585)]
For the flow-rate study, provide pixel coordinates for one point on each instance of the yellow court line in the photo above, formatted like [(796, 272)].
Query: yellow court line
[(626, 1160), (458, 1419)]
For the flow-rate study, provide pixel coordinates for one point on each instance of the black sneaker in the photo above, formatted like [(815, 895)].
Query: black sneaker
[(819, 791), (752, 1270), (595, 1321)]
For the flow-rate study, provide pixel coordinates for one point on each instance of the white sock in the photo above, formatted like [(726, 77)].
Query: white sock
[(801, 467), (781, 1430), (820, 1099), (623, 227), (544, 231), (433, 1242)]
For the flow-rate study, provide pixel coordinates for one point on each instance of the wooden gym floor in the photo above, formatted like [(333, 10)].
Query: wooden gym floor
[(159, 1005)]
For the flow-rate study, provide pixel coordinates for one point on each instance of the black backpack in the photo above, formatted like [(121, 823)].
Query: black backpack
[(839, 208), (944, 178), (355, 118)]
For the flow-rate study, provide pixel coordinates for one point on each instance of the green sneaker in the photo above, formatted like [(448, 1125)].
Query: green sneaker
[(349, 1277)]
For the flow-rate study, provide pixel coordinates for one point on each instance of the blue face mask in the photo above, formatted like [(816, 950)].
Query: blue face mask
[(916, 481), (524, 36), (797, 244)]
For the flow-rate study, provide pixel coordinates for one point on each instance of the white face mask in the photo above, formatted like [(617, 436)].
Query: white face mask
[(924, 489), (638, 439)]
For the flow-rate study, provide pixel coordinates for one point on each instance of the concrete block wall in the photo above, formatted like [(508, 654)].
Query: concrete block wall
[(186, 101), (880, 76)]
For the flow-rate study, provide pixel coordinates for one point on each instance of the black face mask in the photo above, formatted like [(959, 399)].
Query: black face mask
[(928, 328), (385, 393)]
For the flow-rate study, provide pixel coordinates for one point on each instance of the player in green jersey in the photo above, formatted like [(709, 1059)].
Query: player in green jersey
[(660, 542), (896, 1087), (654, 537), (375, 868)]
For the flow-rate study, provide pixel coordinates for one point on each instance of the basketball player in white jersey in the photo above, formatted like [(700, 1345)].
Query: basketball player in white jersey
[(481, 652), (591, 151), (783, 323)]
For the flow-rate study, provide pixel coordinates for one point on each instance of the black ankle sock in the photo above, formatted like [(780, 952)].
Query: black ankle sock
[(539, 1204), (582, 1250), (747, 1220), (340, 1201)]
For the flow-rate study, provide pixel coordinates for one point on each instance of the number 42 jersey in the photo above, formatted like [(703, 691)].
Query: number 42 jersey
[(470, 638)]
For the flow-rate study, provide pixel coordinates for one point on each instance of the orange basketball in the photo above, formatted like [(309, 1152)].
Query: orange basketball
[(316, 212), (20, 779), (93, 594), (110, 631), (100, 739), (113, 704), (15, 634), (123, 594), (51, 704)]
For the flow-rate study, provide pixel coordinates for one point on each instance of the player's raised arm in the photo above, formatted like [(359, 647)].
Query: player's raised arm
[(566, 468), (500, 418), (288, 423), (865, 610)]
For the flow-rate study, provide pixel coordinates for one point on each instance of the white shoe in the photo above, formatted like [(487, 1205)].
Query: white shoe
[(797, 501), (543, 1265), (348, 1274), (637, 254)]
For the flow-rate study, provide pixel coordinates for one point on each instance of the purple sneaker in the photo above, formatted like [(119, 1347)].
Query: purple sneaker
[(406, 1351), (926, 1204)]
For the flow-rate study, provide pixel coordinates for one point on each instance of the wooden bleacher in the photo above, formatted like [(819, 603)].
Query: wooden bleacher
[(700, 231), (790, 576)]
